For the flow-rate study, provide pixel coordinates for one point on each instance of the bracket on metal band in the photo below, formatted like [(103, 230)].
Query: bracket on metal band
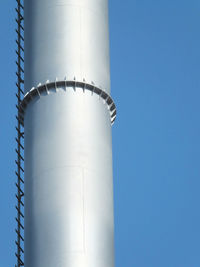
[(36, 91)]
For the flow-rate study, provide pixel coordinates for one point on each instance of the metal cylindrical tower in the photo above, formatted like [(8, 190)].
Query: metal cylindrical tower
[(67, 113)]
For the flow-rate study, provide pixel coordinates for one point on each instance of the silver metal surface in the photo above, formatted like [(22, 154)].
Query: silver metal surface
[(66, 38), (68, 145)]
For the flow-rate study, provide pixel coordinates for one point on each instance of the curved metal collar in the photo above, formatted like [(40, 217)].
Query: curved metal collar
[(48, 86)]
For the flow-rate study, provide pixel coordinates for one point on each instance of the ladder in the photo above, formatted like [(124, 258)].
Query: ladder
[(19, 136)]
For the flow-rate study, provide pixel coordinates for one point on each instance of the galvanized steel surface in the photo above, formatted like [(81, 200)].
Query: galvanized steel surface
[(67, 38), (68, 144)]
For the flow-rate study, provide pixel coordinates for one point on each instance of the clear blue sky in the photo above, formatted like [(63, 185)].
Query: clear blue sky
[(155, 68)]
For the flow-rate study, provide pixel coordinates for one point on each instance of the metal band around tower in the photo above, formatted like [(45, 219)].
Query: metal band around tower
[(48, 86)]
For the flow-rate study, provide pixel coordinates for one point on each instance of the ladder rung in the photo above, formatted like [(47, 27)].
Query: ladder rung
[(18, 98), (19, 259), (21, 58), (19, 200), (20, 79), (18, 153), (19, 177), (18, 86), (18, 245), (20, 133), (19, 223), (20, 119), (19, 66), (19, 34), (20, 110), (18, 233), (18, 142), (19, 45), (19, 14), (20, 213), (19, 189), (18, 165), (19, 24), (18, 2)]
